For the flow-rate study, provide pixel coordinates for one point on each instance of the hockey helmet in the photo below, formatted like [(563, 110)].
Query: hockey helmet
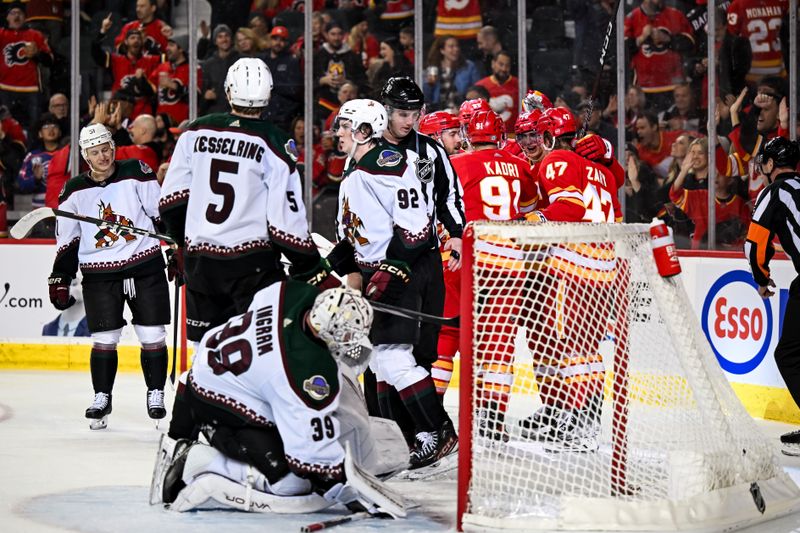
[(438, 121), (485, 127), (248, 83), (342, 318), (527, 122), (782, 151), (94, 135), (401, 92), (557, 121), (470, 107), (363, 111)]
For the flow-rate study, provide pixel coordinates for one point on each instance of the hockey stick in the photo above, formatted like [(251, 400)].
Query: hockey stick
[(25, 225), (415, 315), (333, 522), (175, 319), (603, 50)]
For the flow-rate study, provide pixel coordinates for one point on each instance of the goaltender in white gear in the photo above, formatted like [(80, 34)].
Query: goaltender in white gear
[(280, 363)]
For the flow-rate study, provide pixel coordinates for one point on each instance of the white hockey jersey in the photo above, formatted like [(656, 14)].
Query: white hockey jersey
[(232, 189), (262, 366), (129, 196), (382, 211)]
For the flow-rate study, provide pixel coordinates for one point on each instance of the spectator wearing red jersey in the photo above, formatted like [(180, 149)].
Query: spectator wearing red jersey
[(142, 132), (503, 89), (394, 16), (172, 81), (24, 50), (155, 32), (658, 37), (689, 192), (654, 144), (129, 71), (760, 21)]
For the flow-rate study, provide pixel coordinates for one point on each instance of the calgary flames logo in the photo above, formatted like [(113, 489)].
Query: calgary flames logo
[(106, 237), (352, 223), (12, 54)]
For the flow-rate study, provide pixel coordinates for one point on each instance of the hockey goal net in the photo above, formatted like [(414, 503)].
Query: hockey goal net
[(590, 399)]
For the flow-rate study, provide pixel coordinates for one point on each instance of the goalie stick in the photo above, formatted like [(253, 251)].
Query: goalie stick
[(25, 225), (603, 50)]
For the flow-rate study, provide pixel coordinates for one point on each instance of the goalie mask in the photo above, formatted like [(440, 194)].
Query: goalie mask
[(342, 319)]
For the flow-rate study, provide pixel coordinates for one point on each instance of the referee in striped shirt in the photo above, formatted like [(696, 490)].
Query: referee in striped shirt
[(777, 212)]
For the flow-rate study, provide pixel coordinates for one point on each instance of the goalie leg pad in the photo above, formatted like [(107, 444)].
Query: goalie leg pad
[(211, 491), (372, 491)]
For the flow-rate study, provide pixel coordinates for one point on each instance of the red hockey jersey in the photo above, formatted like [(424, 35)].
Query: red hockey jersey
[(174, 102), (459, 18), (759, 21), (497, 185), (155, 42), (504, 98), (17, 72)]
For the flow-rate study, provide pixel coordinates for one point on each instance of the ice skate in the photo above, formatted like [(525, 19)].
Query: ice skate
[(790, 443), (155, 404), (433, 446), (491, 424), (98, 412)]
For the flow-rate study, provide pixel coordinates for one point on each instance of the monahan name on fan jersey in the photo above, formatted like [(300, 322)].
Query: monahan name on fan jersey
[(232, 192), (264, 367), (129, 197), (382, 211)]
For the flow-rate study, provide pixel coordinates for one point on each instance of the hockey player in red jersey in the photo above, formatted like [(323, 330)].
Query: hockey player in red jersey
[(445, 128), (529, 139), (465, 112), (563, 338), (497, 186)]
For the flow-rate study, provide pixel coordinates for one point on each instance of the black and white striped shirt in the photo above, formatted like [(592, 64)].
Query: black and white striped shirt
[(777, 212), (440, 186)]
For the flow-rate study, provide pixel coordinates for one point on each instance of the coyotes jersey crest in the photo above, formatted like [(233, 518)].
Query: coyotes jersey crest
[(352, 224), (106, 236)]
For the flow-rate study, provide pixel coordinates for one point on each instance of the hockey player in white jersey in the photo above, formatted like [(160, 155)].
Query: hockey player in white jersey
[(117, 267), (275, 392), (233, 202), (382, 212)]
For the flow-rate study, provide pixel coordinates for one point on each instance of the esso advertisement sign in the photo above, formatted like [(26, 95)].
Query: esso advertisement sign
[(737, 322)]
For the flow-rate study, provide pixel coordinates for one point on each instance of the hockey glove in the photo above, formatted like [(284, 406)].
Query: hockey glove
[(320, 276), (535, 217), (58, 286), (342, 258), (388, 283), (175, 268), (595, 148)]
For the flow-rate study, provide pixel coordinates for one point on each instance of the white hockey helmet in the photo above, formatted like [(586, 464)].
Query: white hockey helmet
[(342, 318), (364, 111), (94, 135), (248, 83)]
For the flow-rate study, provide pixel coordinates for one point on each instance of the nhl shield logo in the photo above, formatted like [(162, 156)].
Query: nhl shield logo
[(424, 169), (317, 387)]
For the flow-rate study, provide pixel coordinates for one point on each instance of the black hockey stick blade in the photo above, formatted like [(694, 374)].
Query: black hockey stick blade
[(415, 315), (24, 226), (175, 319)]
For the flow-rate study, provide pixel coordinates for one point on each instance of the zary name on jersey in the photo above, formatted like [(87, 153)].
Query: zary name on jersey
[(264, 329), (596, 175), (237, 148), (500, 168)]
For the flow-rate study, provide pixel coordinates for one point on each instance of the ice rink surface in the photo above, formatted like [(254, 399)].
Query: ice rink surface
[(57, 475)]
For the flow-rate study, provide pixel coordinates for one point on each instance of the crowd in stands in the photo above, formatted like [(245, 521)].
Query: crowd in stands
[(136, 82)]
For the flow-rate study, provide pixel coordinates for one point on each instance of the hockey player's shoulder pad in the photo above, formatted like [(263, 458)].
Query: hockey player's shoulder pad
[(310, 368), (135, 168), (73, 185), (383, 159)]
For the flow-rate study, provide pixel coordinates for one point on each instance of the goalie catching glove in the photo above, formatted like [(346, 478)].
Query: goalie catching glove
[(58, 286), (388, 282), (595, 148)]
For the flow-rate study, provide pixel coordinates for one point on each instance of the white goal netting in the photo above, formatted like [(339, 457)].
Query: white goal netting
[(597, 403)]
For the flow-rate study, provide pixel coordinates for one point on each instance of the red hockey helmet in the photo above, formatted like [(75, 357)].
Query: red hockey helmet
[(527, 121), (536, 100), (557, 121), (470, 107), (485, 127), (438, 121)]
